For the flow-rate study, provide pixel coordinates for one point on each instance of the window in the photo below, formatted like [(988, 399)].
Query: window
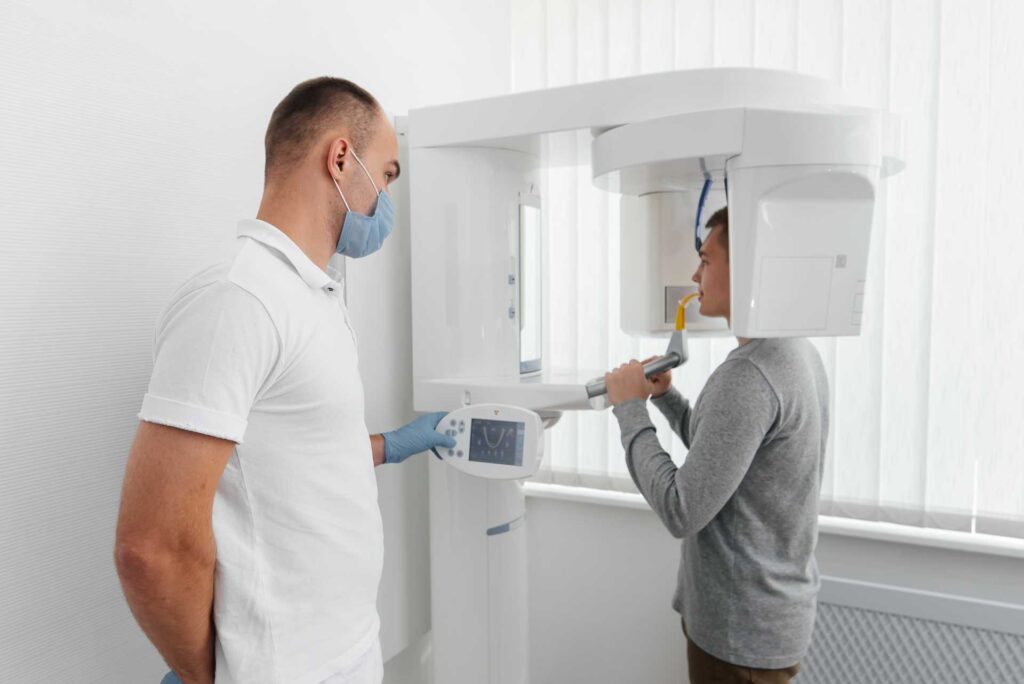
[(928, 403)]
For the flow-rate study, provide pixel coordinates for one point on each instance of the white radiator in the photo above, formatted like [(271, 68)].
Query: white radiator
[(869, 633)]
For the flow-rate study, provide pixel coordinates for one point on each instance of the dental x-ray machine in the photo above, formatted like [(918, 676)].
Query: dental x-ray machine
[(795, 161)]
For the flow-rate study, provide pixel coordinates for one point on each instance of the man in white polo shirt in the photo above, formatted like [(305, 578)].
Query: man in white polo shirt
[(249, 542)]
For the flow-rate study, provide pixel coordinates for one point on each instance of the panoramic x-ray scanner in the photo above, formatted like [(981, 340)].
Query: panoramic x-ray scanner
[(795, 161)]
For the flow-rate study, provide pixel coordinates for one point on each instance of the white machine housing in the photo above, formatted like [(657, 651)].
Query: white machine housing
[(803, 167), (801, 198), (802, 163), (478, 544)]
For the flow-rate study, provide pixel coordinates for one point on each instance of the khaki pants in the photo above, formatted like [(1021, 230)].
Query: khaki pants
[(707, 669)]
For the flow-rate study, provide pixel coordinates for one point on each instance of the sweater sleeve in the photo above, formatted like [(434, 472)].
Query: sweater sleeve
[(734, 415)]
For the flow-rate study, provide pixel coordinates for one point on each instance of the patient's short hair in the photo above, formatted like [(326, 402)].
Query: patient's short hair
[(720, 219), (311, 108)]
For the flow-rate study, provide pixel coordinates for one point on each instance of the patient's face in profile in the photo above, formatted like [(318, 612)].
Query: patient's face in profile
[(712, 276)]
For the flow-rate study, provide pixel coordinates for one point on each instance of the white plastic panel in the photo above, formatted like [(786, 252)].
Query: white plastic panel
[(794, 292), (671, 153), (465, 240), (798, 242), (678, 152), (478, 578), (458, 574), (516, 120), (658, 259), (547, 390), (507, 621)]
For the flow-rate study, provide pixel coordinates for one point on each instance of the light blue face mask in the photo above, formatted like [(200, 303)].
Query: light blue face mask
[(361, 234)]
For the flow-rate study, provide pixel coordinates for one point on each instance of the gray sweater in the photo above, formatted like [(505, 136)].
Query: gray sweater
[(745, 501)]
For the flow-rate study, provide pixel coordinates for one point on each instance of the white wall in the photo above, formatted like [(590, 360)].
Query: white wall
[(602, 578), (600, 585), (131, 138)]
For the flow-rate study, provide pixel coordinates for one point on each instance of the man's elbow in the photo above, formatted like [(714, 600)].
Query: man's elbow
[(674, 515), (678, 529), (679, 526), (143, 563), (139, 565)]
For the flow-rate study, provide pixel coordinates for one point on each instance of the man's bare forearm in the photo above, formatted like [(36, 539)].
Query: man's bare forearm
[(377, 447), (171, 597)]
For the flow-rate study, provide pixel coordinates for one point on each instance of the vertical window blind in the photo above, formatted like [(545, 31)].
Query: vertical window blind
[(927, 403)]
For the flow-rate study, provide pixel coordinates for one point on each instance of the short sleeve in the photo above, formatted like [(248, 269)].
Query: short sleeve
[(214, 351)]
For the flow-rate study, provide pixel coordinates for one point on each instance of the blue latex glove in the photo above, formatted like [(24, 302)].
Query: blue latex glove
[(170, 678), (419, 435)]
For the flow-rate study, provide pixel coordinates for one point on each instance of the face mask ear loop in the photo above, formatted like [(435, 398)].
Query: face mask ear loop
[(335, 180), (360, 162)]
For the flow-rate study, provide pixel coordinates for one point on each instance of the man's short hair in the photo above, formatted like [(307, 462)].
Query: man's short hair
[(309, 110), (720, 219)]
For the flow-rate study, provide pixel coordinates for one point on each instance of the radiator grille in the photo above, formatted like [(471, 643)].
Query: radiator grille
[(856, 646)]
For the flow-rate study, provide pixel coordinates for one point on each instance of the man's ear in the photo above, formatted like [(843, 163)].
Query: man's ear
[(337, 156)]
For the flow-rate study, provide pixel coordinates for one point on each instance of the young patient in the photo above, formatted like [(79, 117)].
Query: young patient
[(745, 501)]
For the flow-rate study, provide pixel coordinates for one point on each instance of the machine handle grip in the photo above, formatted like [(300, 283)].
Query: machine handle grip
[(658, 365)]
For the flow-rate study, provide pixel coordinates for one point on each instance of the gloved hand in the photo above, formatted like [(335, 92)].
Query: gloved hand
[(417, 436), (170, 678)]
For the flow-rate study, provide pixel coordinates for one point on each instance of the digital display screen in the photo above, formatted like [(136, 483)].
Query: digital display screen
[(496, 441)]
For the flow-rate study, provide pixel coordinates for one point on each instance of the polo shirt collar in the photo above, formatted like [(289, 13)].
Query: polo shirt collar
[(275, 239)]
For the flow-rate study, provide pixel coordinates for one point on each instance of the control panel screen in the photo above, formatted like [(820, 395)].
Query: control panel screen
[(496, 441)]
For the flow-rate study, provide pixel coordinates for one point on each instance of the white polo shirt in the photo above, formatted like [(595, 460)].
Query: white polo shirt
[(260, 348)]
